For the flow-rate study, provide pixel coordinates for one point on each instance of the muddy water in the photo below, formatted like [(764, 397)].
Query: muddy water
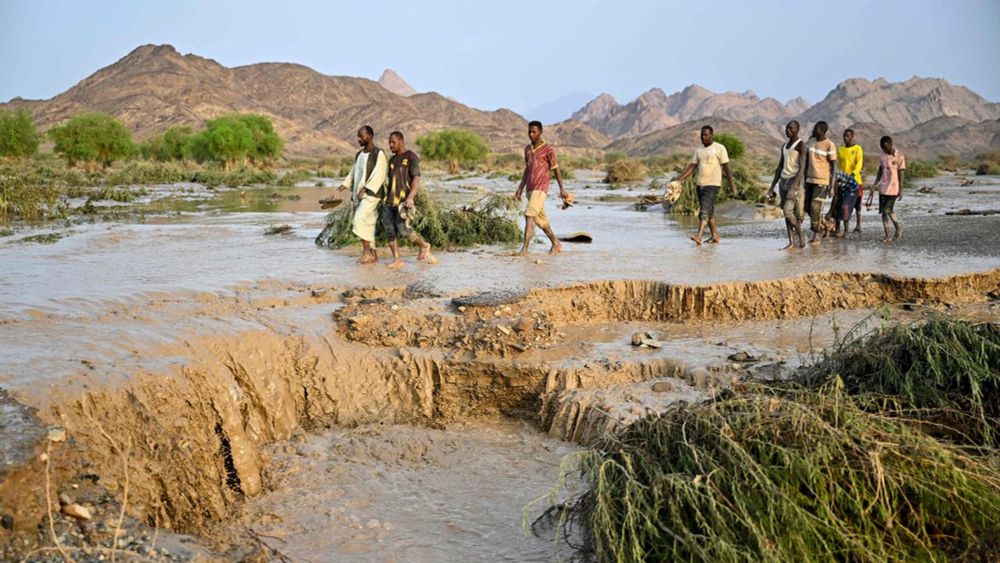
[(400, 493), (204, 340)]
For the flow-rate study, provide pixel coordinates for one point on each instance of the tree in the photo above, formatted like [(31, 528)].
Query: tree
[(734, 145), (92, 138), (229, 140), (168, 146), (267, 143), (18, 136), (454, 146)]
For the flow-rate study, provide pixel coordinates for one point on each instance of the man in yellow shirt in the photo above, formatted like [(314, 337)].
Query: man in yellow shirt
[(850, 159)]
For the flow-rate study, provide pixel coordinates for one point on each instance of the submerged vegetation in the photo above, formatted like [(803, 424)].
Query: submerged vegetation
[(490, 220), (881, 452)]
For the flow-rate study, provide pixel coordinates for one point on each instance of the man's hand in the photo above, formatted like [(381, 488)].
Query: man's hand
[(563, 194), (409, 203), (732, 188), (517, 195)]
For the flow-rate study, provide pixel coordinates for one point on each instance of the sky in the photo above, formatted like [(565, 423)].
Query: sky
[(529, 56)]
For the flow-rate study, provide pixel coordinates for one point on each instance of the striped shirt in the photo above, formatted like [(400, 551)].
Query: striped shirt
[(818, 164)]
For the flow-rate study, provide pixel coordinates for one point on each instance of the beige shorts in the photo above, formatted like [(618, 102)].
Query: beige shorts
[(536, 208), (365, 217)]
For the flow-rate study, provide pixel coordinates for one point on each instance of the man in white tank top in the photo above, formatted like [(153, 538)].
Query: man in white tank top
[(788, 178)]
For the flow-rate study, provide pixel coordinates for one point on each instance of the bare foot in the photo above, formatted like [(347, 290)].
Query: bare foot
[(556, 248), (425, 251), (430, 259), (814, 240), (368, 258), (899, 235), (522, 252), (788, 246), (839, 234), (857, 229), (395, 265), (696, 239), (713, 240), (887, 240)]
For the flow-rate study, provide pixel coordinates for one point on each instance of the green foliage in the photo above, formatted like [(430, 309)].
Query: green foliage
[(862, 457), (27, 195), (457, 147), (139, 172), (18, 137), (92, 138), (949, 162), (232, 140), (734, 145), (490, 220), (168, 146), (988, 168), (917, 169), (625, 170)]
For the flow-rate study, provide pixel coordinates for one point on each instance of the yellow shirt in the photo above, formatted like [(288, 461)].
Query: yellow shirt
[(850, 160), (710, 160)]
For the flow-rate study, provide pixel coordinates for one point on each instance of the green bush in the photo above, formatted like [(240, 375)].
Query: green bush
[(141, 172), (457, 147), (734, 145), (168, 146), (92, 138), (18, 137), (491, 220), (917, 169), (611, 157), (27, 195), (988, 168)]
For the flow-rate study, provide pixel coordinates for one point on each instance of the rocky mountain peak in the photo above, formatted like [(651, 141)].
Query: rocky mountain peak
[(395, 83)]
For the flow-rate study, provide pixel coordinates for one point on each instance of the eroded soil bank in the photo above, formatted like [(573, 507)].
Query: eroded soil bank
[(183, 421)]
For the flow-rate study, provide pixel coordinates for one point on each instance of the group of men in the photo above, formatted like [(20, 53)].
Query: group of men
[(393, 183), (807, 173)]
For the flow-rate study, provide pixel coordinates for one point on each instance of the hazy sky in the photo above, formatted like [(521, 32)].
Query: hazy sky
[(524, 54)]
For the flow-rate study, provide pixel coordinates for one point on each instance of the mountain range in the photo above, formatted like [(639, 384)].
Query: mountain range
[(154, 87)]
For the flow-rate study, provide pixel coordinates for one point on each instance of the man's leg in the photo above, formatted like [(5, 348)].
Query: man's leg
[(529, 231), (368, 254), (425, 248), (715, 232), (702, 216), (365, 217), (894, 219), (397, 261), (542, 220), (815, 207), (711, 193), (857, 212)]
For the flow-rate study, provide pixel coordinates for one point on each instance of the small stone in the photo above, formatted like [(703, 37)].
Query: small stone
[(7, 521), (64, 499), (742, 356), (538, 261), (462, 309), (373, 523), (652, 343), (395, 307), (638, 337), (524, 324), (504, 330), (319, 292), (76, 511), (57, 434), (663, 387)]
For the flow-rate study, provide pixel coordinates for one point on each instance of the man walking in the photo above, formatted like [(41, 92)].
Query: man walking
[(788, 178), (891, 166), (820, 161), (539, 162), (398, 209), (366, 181), (711, 159)]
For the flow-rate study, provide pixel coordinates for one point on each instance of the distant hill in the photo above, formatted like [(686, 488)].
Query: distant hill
[(655, 110), (395, 83), (154, 87), (684, 138), (899, 106)]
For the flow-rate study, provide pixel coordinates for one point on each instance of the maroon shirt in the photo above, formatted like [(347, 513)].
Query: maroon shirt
[(539, 163)]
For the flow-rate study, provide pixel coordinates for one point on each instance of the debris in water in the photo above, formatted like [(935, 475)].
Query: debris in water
[(278, 230)]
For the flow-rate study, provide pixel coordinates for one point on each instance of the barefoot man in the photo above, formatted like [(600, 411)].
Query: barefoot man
[(788, 178), (397, 210), (366, 180), (710, 160), (821, 161), (891, 166), (539, 162)]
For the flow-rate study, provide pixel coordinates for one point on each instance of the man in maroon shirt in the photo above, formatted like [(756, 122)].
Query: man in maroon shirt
[(539, 162)]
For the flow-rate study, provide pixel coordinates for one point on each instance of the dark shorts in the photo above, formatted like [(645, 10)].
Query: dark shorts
[(706, 201), (886, 204), (857, 202), (846, 203), (395, 223)]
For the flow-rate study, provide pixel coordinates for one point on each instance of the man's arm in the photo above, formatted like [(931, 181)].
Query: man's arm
[(524, 178), (414, 187), (871, 192), (902, 168), (562, 191), (777, 173), (801, 175), (687, 172), (858, 167), (729, 175)]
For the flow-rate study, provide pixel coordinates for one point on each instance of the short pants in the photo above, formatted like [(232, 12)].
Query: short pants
[(792, 200), (536, 208), (887, 204), (396, 221), (706, 201)]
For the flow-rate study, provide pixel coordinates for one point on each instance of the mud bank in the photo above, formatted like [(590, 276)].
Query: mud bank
[(189, 438)]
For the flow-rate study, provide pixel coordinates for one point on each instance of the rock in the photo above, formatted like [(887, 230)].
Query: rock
[(319, 292), (638, 337), (909, 306), (57, 434), (663, 387), (373, 523), (489, 299), (64, 499), (76, 511), (7, 521), (742, 356), (524, 324), (651, 343), (504, 330)]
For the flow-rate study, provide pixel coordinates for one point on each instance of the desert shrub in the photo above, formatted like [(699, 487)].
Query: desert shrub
[(18, 136), (140, 172), (734, 145), (491, 220), (917, 169), (457, 147), (949, 162), (92, 138), (988, 168), (625, 170), (167, 146), (27, 195), (611, 157)]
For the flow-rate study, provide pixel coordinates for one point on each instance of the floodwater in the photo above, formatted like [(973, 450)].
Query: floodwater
[(106, 301)]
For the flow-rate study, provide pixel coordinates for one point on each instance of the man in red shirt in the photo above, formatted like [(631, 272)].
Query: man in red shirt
[(539, 162)]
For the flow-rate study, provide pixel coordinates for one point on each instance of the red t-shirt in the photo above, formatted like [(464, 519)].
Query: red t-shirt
[(539, 163)]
